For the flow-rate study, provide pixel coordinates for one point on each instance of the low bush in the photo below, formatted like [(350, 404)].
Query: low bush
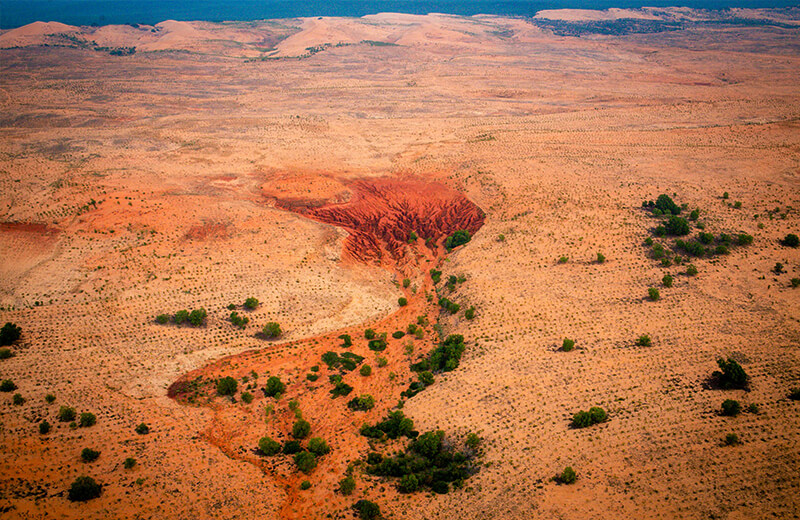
[(568, 476), (691, 270), (340, 388), (347, 341), (567, 345), (730, 375), (83, 489), (162, 318), (791, 240), (458, 238), (395, 425), (66, 414), (300, 429), (9, 334), (377, 344), (7, 385), (87, 419), (563, 259), (369, 334), (653, 294), (272, 330), (142, 429), (318, 446), (731, 440), (362, 403), (795, 282), (268, 446), (89, 455), (731, 407), (227, 386), (239, 321), (274, 387), (247, 397), (643, 341), (197, 317), (794, 394), (44, 427), (50, 398), (667, 205), (251, 303), (347, 485), (595, 415), (129, 463), (306, 461), (436, 276), (402, 301), (365, 370), (667, 280), (291, 447), (469, 313), (18, 400), (367, 510), (305, 485), (601, 258), (448, 305)]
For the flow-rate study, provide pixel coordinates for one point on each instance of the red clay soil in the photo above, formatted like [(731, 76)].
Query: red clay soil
[(379, 217), (383, 212)]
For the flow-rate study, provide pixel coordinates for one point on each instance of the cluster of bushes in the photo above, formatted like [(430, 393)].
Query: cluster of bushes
[(664, 205), (445, 357), (361, 403), (9, 334), (448, 305), (239, 321), (436, 276), (83, 489), (274, 387), (345, 362), (791, 240), (195, 318), (304, 457), (426, 463), (378, 344), (458, 238), (394, 426), (583, 419), (340, 388)]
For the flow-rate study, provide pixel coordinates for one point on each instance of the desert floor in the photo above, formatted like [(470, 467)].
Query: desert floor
[(223, 161)]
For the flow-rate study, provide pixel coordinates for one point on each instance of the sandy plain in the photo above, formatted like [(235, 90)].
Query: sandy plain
[(193, 173)]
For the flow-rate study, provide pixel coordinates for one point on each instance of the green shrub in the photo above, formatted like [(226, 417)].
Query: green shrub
[(660, 231), (347, 341), (291, 447), (318, 446), (409, 483), (667, 205), (274, 387), (643, 341), (398, 334), (305, 485), (239, 321), (251, 303), (44, 427), (66, 414), (312, 377), (737, 204), (300, 429), (648, 241), (83, 489), (426, 378), (721, 250), (7, 385), (247, 397), (180, 317), (563, 259), (18, 400), (395, 425), (365, 370), (369, 334), (794, 394), (791, 240), (601, 258), (87, 419), (653, 294), (568, 476), (731, 440), (667, 280), (795, 283), (731, 407), (725, 195), (778, 269), (402, 301), (227, 386), (162, 318), (744, 239), (469, 313), (406, 283), (6, 353), (89, 455), (753, 408), (272, 330), (367, 510), (50, 398), (361, 403), (567, 345), (306, 461), (129, 463), (691, 270), (382, 362), (347, 485), (268, 446), (9, 334), (694, 215), (377, 344), (340, 388), (458, 238), (595, 415), (142, 429), (705, 238), (676, 226), (730, 375)]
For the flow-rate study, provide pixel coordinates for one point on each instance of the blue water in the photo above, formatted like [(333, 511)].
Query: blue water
[(14, 13)]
